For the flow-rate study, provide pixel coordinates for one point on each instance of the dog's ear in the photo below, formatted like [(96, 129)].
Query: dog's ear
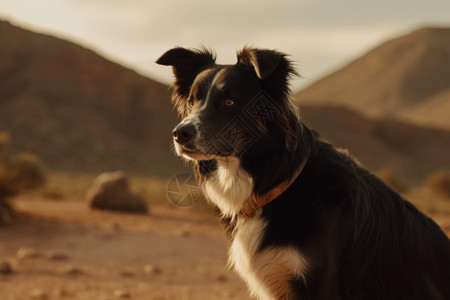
[(186, 65), (263, 61), (275, 71), (267, 63)]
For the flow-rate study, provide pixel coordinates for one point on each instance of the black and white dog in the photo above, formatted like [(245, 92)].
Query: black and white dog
[(305, 220)]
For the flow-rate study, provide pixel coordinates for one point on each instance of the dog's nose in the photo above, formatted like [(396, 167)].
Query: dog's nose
[(184, 133)]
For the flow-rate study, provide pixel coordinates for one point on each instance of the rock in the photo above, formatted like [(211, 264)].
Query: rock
[(127, 273), (183, 232), (115, 226), (73, 271), (5, 267), (221, 278), (60, 292), (151, 269), (55, 255), (28, 252), (122, 294), (111, 191)]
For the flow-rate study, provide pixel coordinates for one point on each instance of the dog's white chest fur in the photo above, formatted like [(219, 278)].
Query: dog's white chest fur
[(268, 272), (229, 187)]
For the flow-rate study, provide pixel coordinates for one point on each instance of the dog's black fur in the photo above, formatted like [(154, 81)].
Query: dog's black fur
[(361, 239)]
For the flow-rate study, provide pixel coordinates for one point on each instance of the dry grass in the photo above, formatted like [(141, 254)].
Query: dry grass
[(425, 197), (439, 183), (392, 180), (428, 202)]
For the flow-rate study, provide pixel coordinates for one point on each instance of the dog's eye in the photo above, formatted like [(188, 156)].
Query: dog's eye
[(190, 103), (229, 102)]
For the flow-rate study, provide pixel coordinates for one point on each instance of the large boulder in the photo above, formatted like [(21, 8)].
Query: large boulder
[(111, 190)]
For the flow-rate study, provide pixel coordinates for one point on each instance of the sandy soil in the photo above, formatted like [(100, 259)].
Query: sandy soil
[(64, 250)]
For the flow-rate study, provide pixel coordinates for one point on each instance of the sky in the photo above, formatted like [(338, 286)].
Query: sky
[(320, 35)]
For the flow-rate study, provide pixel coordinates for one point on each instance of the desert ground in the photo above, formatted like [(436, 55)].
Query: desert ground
[(65, 250), (62, 249)]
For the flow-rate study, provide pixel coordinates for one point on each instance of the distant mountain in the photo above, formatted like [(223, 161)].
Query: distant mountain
[(434, 111), (407, 77), (411, 152), (78, 110), (81, 112)]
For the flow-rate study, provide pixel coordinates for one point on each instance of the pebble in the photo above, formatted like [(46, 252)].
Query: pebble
[(115, 226), (184, 233), (122, 294), (60, 292), (73, 271), (221, 278), (28, 252), (151, 269), (127, 274), (55, 255), (38, 294)]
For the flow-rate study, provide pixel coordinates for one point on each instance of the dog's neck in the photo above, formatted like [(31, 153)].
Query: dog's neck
[(255, 202), (231, 189)]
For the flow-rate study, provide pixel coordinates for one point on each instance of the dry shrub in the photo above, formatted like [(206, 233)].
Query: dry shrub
[(21, 173), (439, 183), (391, 180)]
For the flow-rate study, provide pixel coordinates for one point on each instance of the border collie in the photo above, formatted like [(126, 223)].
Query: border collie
[(305, 220)]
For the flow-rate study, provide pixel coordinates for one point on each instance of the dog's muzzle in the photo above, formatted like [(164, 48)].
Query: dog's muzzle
[(184, 133)]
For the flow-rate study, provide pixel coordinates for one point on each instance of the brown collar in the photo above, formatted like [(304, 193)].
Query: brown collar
[(254, 202)]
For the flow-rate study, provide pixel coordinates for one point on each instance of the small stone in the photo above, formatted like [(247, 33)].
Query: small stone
[(37, 294), (127, 274), (28, 252), (55, 256), (184, 232), (151, 269), (221, 278), (73, 271), (5, 267), (60, 292), (122, 294)]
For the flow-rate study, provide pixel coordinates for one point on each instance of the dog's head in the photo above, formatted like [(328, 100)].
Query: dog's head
[(228, 109)]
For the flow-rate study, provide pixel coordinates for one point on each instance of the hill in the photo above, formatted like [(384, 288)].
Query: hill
[(401, 78), (81, 112), (78, 110), (410, 152), (434, 111)]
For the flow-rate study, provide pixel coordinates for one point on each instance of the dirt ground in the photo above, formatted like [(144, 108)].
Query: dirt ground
[(64, 250)]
